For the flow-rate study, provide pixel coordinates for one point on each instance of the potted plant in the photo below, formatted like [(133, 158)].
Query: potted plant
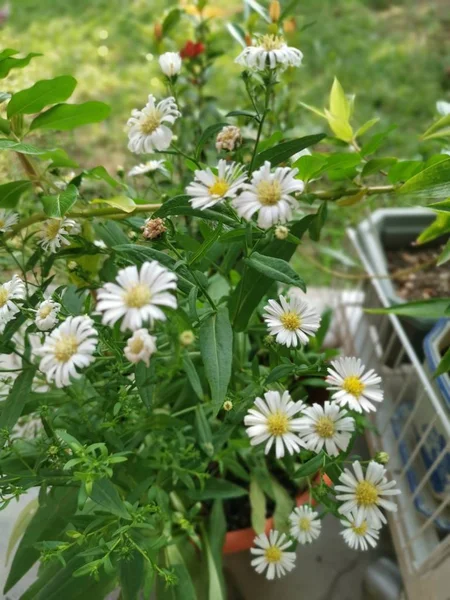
[(155, 366)]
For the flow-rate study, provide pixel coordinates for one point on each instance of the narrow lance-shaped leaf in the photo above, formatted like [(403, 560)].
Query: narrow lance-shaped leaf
[(433, 182), (435, 308), (13, 405), (282, 152), (276, 269)]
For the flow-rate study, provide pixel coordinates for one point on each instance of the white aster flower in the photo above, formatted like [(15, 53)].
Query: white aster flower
[(353, 387), (140, 347), (305, 525), (271, 554), (272, 421), (11, 290), (53, 233), (137, 296), (270, 51), (443, 107), (170, 63), (7, 220), (66, 348), (291, 320), (149, 167), (209, 188), (147, 127), (363, 495), (47, 314), (358, 534), (326, 426), (270, 194)]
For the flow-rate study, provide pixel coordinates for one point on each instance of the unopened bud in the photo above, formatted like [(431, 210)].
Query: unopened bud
[(268, 340), (153, 229), (72, 265), (158, 31), (281, 232), (274, 11), (227, 405), (228, 138), (248, 39), (382, 458), (187, 337), (289, 25)]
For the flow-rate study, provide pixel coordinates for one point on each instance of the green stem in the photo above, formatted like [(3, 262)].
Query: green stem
[(261, 124)]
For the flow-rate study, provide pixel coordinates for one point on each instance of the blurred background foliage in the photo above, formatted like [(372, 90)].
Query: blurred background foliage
[(393, 55)]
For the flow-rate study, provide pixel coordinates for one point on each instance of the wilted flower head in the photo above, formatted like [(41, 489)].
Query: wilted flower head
[(170, 63), (229, 138), (149, 167), (153, 229)]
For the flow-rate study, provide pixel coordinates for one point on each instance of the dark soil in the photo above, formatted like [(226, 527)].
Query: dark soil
[(422, 279)]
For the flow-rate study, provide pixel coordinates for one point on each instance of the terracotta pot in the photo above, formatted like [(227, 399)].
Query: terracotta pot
[(242, 539)]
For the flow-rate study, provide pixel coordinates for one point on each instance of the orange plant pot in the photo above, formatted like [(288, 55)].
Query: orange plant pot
[(242, 539)]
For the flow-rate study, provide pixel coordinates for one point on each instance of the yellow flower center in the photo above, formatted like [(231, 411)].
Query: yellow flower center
[(269, 192), (272, 554), (278, 424), (151, 121), (136, 345), (271, 42), (361, 530), (366, 493), (304, 524), (52, 229), (45, 311), (3, 296), (291, 321), (137, 296), (353, 385), (65, 348), (219, 187), (325, 427)]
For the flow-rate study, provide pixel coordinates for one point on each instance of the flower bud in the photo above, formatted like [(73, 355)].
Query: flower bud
[(72, 265), (170, 63), (227, 405), (153, 229), (187, 337), (274, 11), (229, 138), (382, 458), (158, 31), (281, 232), (289, 25)]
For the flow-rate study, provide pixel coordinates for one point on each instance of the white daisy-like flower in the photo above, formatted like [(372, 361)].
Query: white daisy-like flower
[(54, 232), (272, 420), (7, 220), (66, 348), (326, 426), (291, 320), (363, 495), (269, 194), (140, 347), (443, 107), (149, 167), (137, 296), (11, 290), (353, 387), (170, 63), (209, 188), (305, 524), (47, 314), (148, 129), (358, 534), (270, 51), (271, 554)]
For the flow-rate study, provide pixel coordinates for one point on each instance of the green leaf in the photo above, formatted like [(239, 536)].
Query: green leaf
[(237, 33), (258, 8), (377, 164), (310, 467), (105, 494), (439, 227), (313, 109), (282, 152), (242, 113), (218, 489), (192, 374), (57, 206), (41, 94), (258, 506), (20, 147), (145, 382), (318, 222), (204, 432), (171, 20), (131, 576), (180, 205), (367, 125), (276, 269), (216, 347), (444, 364), (438, 129), (5, 126), (445, 255), (435, 308), (207, 244), (207, 134), (279, 372), (20, 525), (341, 128), (68, 116), (123, 203), (184, 589), (60, 159), (376, 141), (309, 166), (339, 105), (11, 192), (7, 62), (284, 504), (13, 405), (433, 182), (215, 577), (443, 206)]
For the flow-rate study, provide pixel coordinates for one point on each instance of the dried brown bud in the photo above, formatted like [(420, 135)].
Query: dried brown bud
[(274, 11), (153, 228), (290, 25), (158, 31), (229, 138)]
